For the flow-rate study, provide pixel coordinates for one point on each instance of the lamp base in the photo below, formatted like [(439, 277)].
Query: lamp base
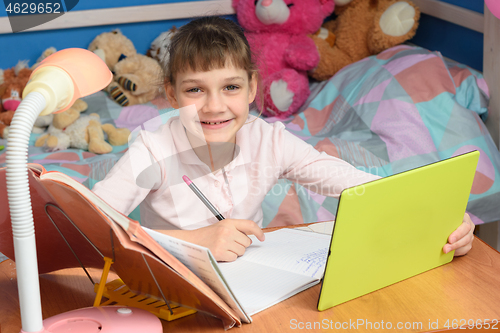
[(107, 319)]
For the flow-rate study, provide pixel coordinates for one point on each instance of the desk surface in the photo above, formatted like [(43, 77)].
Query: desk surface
[(468, 288)]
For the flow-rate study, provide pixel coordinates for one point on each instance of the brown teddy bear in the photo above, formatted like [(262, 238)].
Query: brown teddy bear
[(137, 78), (362, 28), (13, 81), (70, 130), (49, 51)]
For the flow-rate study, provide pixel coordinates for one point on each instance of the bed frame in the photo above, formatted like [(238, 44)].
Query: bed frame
[(487, 24)]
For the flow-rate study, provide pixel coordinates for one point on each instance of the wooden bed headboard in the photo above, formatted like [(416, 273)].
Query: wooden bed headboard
[(487, 24)]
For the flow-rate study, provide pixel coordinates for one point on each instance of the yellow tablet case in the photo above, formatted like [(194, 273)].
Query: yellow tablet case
[(394, 228)]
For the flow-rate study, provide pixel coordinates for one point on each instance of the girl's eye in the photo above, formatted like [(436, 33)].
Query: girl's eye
[(232, 87), (194, 90)]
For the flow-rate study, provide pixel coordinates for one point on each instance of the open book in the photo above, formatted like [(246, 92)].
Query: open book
[(74, 227), (287, 262)]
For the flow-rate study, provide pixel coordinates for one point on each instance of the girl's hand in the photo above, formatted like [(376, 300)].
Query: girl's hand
[(227, 239), (461, 239)]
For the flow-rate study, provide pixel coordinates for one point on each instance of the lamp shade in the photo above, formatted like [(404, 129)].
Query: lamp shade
[(87, 71)]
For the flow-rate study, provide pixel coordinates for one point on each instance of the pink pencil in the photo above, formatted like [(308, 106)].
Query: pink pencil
[(202, 197)]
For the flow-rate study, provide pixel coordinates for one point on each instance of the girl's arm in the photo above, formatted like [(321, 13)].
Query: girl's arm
[(131, 178), (317, 171)]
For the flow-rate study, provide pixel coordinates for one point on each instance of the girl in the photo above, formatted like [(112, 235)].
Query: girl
[(233, 158)]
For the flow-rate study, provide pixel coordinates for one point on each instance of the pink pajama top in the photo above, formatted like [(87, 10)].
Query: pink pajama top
[(150, 175)]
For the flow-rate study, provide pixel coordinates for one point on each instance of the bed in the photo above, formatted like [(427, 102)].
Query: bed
[(401, 109)]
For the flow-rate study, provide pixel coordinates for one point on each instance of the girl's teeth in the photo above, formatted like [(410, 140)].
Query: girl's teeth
[(220, 122)]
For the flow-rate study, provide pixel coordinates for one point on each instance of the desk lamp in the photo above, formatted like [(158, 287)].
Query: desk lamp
[(53, 87)]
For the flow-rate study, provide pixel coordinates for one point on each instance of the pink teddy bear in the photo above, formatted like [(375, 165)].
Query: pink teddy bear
[(277, 32)]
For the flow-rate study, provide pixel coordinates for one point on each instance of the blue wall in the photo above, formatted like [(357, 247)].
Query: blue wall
[(475, 5), (451, 40), (30, 45)]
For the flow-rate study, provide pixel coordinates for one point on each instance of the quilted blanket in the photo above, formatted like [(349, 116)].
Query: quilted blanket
[(386, 114)]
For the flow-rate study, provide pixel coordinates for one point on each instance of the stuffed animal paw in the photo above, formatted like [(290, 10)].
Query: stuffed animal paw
[(362, 28), (136, 80), (395, 23), (116, 136), (95, 135)]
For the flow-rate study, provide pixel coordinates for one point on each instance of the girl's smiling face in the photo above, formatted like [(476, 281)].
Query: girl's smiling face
[(221, 97)]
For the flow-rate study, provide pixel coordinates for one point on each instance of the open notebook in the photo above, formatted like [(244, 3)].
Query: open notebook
[(287, 262)]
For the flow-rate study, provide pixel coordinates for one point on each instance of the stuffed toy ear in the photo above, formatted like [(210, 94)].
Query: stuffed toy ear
[(328, 6), (235, 3)]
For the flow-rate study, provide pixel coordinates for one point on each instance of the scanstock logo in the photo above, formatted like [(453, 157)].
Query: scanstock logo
[(26, 14)]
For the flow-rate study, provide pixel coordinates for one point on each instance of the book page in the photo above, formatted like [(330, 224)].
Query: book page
[(200, 261), (290, 250), (259, 287), (320, 227), (119, 218), (287, 262), (323, 227)]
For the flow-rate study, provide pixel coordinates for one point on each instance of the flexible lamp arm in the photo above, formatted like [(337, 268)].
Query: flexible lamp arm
[(20, 210)]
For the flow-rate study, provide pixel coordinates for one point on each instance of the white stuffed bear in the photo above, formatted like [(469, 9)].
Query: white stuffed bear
[(159, 47), (70, 130), (42, 123)]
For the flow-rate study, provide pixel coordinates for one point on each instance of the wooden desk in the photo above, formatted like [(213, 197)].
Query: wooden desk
[(467, 288)]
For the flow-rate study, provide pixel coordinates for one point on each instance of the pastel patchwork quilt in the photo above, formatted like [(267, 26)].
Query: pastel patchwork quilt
[(385, 114)]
